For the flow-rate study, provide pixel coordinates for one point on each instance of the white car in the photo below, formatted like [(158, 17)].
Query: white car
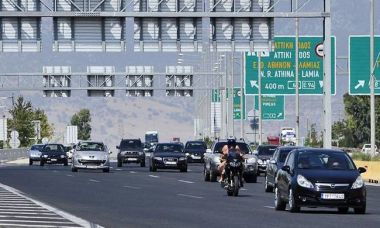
[(367, 148), (91, 155), (35, 153)]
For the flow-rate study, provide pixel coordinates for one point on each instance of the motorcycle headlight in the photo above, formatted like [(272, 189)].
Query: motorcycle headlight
[(260, 161), (45, 156), (62, 156), (358, 183), (182, 158), (251, 160), (303, 182), (157, 158)]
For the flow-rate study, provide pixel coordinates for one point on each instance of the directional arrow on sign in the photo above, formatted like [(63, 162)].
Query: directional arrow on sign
[(360, 84), (321, 84), (254, 84), (279, 115)]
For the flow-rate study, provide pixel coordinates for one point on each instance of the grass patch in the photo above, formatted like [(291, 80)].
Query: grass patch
[(364, 157)]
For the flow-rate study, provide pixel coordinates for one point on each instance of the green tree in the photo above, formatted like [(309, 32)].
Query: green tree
[(46, 128), (21, 120), (82, 119), (313, 139)]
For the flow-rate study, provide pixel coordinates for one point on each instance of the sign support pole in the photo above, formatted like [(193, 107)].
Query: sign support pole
[(259, 106), (297, 80), (327, 77), (242, 93), (372, 79)]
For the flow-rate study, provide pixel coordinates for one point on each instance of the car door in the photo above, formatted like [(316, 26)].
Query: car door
[(284, 178), (271, 168)]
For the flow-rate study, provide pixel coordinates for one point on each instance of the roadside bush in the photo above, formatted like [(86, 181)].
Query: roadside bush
[(364, 157)]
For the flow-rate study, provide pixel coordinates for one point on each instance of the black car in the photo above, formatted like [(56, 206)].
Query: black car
[(195, 151), (264, 153), (130, 151), (53, 154), (168, 156), (320, 177), (275, 164)]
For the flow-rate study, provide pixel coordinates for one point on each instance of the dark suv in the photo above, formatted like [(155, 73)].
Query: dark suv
[(130, 151)]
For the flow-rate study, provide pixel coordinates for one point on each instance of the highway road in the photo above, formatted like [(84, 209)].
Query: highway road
[(132, 196)]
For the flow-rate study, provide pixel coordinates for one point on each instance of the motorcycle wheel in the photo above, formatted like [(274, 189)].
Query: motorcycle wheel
[(236, 186), (230, 193)]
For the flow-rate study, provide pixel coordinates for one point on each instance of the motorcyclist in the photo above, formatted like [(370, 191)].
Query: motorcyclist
[(233, 150), (223, 161)]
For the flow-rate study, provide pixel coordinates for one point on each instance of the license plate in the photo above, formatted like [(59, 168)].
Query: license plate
[(196, 157), (171, 163), (335, 196), (53, 160), (132, 159)]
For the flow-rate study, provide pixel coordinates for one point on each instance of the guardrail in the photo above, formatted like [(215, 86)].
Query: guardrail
[(12, 154)]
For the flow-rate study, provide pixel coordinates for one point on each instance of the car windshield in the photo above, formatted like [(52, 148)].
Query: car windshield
[(331, 160), (53, 148), (177, 148), (242, 146), (90, 146), (283, 155), (196, 145), (266, 150), (37, 147), (130, 144)]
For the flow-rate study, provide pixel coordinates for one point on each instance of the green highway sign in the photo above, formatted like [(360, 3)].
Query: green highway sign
[(272, 107), (237, 107), (278, 68), (215, 95), (359, 69)]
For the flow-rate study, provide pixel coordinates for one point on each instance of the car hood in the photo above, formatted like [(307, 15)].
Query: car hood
[(91, 154), (329, 176), (34, 151), (131, 149), (168, 154), (193, 151), (53, 153)]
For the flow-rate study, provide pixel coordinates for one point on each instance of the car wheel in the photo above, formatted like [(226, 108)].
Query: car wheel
[(293, 207), (74, 170), (343, 210), (268, 188), (142, 164), (184, 170), (66, 163), (42, 163), (230, 193), (154, 169), (30, 162), (360, 210), (206, 175), (213, 177), (106, 170), (279, 205), (119, 163)]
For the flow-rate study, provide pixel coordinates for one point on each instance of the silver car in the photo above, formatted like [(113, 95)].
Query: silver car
[(35, 153), (90, 155)]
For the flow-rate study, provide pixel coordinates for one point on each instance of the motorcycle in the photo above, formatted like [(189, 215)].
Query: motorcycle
[(233, 172)]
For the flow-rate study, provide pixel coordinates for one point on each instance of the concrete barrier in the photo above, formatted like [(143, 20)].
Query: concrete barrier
[(13, 154), (373, 170)]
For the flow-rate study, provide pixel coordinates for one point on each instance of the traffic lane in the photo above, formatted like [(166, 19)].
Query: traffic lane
[(160, 201)]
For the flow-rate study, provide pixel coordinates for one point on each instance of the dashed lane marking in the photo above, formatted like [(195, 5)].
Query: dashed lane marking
[(187, 182), (92, 180), (132, 172), (131, 187), (154, 176), (190, 196), (270, 207)]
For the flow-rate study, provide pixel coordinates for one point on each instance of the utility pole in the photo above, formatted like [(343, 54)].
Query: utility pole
[(372, 77), (297, 81)]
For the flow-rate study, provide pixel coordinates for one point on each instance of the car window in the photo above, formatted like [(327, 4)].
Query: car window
[(53, 148), (283, 154), (290, 161), (266, 150), (37, 147), (130, 144), (332, 160), (177, 148), (90, 146), (195, 145)]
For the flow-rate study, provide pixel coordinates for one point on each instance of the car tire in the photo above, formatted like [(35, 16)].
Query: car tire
[(230, 193), (293, 207), (279, 204), (106, 170), (42, 163), (30, 162), (154, 169), (66, 163), (360, 210), (142, 164), (74, 170), (184, 170), (206, 174), (119, 163), (343, 210), (267, 187), (213, 177)]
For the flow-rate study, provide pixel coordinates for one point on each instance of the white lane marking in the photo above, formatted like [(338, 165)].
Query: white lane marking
[(29, 221), (189, 170), (21, 207), (132, 172), (95, 181), (55, 171), (40, 209), (187, 182), (119, 169), (26, 213), (154, 176), (17, 204), (69, 175), (270, 207), (31, 217), (190, 196), (131, 187), (24, 225), (243, 189), (72, 218)]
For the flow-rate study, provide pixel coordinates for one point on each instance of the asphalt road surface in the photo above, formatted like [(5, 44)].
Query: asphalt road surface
[(132, 196)]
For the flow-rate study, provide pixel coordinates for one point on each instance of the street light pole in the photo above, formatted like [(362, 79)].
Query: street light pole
[(372, 78), (297, 80)]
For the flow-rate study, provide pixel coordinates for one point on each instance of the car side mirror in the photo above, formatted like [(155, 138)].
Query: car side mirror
[(208, 151), (362, 170), (110, 152), (118, 147), (286, 168)]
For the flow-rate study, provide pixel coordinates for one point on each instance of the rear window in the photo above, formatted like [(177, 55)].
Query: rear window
[(37, 147), (266, 150), (195, 145)]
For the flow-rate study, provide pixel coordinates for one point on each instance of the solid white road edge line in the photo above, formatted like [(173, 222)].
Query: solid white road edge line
[(64, 214)]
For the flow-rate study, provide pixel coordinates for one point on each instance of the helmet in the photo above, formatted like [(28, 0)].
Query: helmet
[(231, 142)]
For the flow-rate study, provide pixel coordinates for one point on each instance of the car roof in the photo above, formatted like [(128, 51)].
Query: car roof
[(318, 150), (195, 141), (290, 147), (90, 142)]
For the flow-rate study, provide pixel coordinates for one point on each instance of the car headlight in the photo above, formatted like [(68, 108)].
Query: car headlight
[(260, 161), (358, 183), (187, 154), (157, 158), (62, 156), (182, 158), (251, 160), (216, 160), (303, 182), (45, 156)]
